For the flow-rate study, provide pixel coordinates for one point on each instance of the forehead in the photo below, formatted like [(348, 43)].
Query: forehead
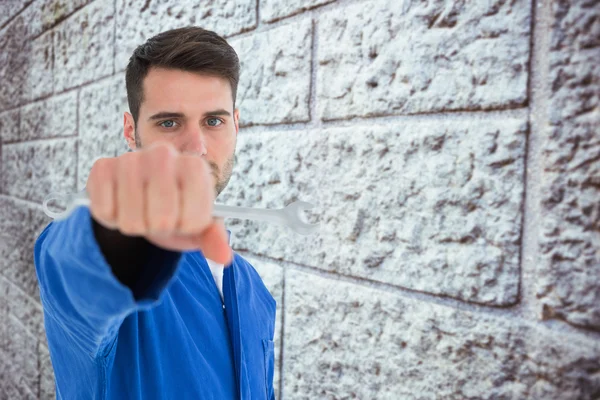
[(184, 90)]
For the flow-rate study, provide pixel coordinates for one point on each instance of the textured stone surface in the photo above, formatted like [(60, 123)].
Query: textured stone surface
[(56, 116), (92, 29), (271, 10), (25, 308), (53, 11), (47, 388), (3, 326), (137, 20), (9, 125), (39, 76), (422, 57), (569, 286), (101, 109), (13, 63), (33, 170), (275, 86), (272, 276), (433, 206), (21, 358), (20, 225), (40, 15), (346, 341), (10, 8)]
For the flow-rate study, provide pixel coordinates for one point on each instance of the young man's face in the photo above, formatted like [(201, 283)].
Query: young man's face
[(193, 112)]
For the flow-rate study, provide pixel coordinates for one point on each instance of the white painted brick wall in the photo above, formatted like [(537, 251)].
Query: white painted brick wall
[(452, 150)]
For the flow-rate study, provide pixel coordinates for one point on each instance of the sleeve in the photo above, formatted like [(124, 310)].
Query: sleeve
[(79, 290)]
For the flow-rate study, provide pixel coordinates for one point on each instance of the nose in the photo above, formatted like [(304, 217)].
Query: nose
[(196, 144)]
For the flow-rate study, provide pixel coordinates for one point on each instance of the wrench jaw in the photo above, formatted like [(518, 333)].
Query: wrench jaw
[(293, 213)]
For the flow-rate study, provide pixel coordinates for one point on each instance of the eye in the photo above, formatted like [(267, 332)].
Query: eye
[(167, 124), (214, 122)]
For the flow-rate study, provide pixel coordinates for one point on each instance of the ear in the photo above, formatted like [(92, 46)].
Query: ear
[(236, 120), (129, 130)]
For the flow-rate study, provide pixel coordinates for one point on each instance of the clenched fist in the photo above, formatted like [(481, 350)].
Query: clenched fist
[(160, 194)]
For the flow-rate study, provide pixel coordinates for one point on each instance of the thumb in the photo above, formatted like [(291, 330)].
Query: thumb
[(213, 243)]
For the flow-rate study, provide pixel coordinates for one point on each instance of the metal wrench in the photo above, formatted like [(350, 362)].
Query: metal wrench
[(289, 215)]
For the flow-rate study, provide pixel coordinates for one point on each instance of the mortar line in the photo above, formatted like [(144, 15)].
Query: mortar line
[(509, 313), (11, 19), (257, 14), (388, 287), (528, 307), (300, 15), (521, 113), (26, 202), (114, 63), (61, 19), (62, 92), (41, 140), (312, 109)]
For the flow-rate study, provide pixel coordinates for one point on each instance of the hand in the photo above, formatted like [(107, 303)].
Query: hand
[(160, 194)]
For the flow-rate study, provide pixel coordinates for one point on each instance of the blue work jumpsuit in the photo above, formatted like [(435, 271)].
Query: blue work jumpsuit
[(174, 339)]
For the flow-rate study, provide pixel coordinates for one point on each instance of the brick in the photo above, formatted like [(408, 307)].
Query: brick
[(272, 276), (13, 63), (568, 286), (101, 110), (9, 125), (137, 20), (54, 117), (92, 29), (433, 206), (25, 307), (272, 10), (39, 76), (275, 87), (22, 358), (31, 171), (47, 388), (360, 342), (20, 226), (433, 56)]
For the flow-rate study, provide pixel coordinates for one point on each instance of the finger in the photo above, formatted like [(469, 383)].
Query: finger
[(101, 192), (130, 195), (197, 195), (162, 195), (213, 243)]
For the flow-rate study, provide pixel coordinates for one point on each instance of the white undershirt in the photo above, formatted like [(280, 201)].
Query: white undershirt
[(217, 273)]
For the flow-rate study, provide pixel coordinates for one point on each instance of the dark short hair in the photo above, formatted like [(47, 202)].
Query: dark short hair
[(191, 49)]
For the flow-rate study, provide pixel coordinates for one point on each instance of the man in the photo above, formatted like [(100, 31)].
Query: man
[(138, 303)]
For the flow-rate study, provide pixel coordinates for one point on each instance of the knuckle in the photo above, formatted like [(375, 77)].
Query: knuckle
[(163, 222), (193, 227), (130, 226), (101, 210)]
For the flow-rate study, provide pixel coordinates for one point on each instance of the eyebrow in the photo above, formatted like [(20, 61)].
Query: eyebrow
[(166, 114)]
